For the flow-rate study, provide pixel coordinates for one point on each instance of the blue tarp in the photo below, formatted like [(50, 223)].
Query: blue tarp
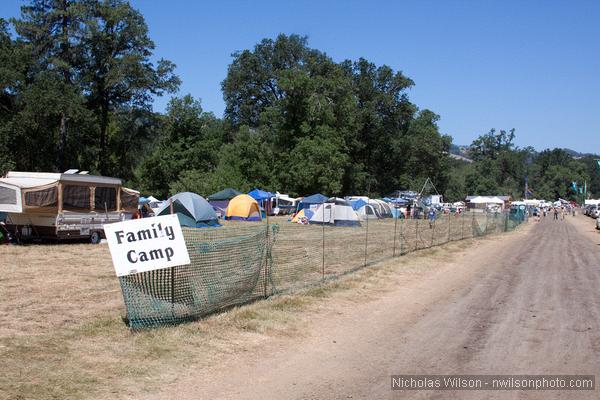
[(357, 204), (396, 200), (260, 195)]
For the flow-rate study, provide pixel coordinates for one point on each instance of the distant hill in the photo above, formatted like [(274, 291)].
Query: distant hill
[(462, 152), (576, 154)]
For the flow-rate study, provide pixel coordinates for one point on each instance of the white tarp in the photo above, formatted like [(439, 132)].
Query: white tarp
[(486, 200)]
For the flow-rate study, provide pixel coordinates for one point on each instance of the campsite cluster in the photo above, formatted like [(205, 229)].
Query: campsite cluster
[(76, 205), (229, 204)]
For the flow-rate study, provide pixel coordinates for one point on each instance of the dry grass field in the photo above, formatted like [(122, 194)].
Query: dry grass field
[(61, 308)]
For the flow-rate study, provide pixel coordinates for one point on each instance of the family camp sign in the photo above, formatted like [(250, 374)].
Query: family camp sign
[(146, 244)]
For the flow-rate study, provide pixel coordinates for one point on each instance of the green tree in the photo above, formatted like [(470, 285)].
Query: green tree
[(117, 70), (53, 31), (189, 146)]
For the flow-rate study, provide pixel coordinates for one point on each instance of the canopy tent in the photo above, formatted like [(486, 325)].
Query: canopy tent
[(335, 214), (243, 208), (486, 200), (192, 210), (260, 195), (311, 201), (264, 199), (225, 194)]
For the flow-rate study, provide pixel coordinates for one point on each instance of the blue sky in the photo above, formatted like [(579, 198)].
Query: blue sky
[(529, 65)]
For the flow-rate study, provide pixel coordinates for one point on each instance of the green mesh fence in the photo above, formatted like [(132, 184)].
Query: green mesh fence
[(244, 261), (229, 266)]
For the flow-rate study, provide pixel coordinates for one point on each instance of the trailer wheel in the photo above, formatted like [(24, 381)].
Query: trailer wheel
[(95, 237)]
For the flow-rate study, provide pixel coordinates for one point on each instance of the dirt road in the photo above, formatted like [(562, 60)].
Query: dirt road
[(524, 303)]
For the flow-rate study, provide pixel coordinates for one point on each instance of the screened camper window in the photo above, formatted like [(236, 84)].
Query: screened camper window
[(105, 198), (42, 198), (76, 197), (8, 196), (129, 200)]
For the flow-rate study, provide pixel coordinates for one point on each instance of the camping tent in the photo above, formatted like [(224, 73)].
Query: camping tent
[(363, 209), (335, 212), (367, 211), (220, 200), (312, 201), (382, 208), (192, 210), (225, 194), (305, 213), (244, 208)]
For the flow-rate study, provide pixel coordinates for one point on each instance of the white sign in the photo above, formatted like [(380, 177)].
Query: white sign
[(146, 244)]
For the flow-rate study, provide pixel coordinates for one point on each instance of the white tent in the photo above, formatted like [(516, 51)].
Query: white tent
[(486, 200), (381, 207), (367, 211), (335, 214)]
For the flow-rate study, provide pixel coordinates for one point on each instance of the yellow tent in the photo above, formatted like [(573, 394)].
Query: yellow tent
[(299, 215), (243, 207)]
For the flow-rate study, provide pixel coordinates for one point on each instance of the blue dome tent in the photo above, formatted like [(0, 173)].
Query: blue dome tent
[(192, 210)]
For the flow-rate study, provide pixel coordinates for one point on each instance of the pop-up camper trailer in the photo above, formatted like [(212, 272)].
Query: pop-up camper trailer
[(63, 206)]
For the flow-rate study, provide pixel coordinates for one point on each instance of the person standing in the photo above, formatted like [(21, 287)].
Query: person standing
[(431, 216), (555, 213)]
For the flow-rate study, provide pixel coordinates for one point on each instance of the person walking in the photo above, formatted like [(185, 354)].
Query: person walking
[(555, 213)]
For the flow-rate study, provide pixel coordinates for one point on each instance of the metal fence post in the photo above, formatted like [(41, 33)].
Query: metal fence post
[(265, 279), (401, 235), (323, 259), (395, 230), (366, 239), (432, 232), (416, 232)]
